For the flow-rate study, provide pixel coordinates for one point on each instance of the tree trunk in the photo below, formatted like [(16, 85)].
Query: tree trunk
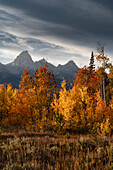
[(104, 93)]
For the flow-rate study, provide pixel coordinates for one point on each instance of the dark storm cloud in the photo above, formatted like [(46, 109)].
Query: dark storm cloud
[(78, 22), (34, 46), (9, 40), (107, 4), (89, 16)]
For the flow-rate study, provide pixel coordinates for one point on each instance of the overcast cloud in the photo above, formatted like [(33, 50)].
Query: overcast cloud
[(57, 30)]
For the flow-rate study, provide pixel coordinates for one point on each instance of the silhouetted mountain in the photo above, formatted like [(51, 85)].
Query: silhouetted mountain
[(11, 73), (22, 61)]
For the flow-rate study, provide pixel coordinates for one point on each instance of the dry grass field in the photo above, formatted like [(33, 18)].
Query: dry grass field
[(47, 151)]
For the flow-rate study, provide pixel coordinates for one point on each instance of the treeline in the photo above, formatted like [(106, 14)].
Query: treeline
[(38, 104)]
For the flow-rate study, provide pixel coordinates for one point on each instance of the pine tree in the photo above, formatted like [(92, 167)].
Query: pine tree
[(92, 65)]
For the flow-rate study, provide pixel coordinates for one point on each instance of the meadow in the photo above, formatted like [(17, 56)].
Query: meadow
[(25, 150)]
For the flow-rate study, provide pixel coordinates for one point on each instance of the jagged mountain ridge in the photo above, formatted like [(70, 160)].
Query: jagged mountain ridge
[(21, 61), (12, 72)]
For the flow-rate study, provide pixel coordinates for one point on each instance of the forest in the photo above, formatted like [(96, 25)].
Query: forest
[(43, 127), (86, 107)]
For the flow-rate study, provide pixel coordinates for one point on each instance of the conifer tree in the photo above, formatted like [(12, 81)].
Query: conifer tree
[(92, 65)]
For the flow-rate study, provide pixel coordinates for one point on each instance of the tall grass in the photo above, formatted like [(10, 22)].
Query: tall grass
[(22, 153)]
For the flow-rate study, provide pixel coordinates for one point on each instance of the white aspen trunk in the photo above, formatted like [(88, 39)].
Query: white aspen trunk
[(104, 93)]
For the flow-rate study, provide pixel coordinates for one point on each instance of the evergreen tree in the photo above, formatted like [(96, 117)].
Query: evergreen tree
[(92, 65)]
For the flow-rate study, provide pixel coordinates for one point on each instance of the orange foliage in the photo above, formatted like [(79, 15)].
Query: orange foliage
[(37, 102)]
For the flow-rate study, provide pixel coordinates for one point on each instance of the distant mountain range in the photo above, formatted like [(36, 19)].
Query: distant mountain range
[(11, 73)]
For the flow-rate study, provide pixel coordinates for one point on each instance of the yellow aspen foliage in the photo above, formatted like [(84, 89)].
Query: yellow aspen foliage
[(104, 128), (100, 109), (72, 105), (6, 99), (87, 105), (63, 105), (111, 113)]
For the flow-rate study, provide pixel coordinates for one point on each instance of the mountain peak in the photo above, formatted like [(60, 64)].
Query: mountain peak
[(71, 62), (43, 61), (24, 59), (69, 67), (68, 70), (24, 52)]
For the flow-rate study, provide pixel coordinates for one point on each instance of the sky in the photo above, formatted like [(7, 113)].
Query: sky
[(57, 30)]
